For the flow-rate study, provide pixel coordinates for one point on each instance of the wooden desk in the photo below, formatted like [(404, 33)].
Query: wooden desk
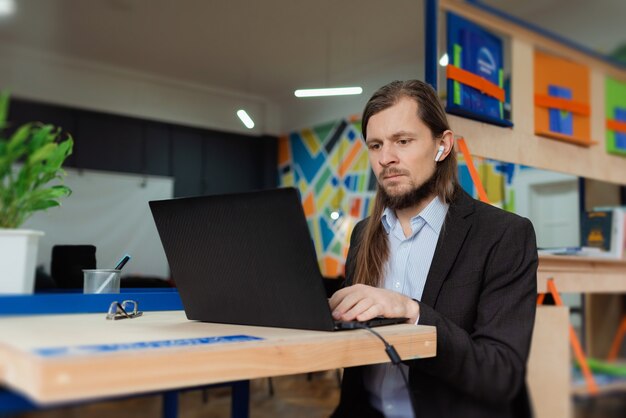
[(82, 373), (549, 371)]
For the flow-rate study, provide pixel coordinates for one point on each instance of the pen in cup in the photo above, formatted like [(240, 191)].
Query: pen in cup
[(122, 262), (119, 266)]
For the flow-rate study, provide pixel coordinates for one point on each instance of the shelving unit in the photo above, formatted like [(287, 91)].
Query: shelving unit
[(549, 369)]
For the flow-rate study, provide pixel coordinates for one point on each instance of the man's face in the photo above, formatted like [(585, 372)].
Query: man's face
[(401, 148)]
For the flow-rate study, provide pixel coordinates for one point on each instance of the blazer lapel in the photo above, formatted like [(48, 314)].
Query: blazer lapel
[(452, 236)]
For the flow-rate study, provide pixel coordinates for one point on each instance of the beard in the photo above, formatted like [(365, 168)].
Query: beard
[(410, 198)]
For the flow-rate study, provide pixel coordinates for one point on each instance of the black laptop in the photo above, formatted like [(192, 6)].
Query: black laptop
[(246, 259)]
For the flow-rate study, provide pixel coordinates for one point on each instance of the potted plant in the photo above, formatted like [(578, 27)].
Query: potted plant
[(30, 159)]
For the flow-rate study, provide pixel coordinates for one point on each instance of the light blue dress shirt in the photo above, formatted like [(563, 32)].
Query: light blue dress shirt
[(405, 272)]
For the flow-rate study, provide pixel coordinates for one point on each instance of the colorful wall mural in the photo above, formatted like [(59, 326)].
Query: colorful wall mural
[(328, 164)]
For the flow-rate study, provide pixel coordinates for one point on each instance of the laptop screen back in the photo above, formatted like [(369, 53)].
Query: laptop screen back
[(244, 258)]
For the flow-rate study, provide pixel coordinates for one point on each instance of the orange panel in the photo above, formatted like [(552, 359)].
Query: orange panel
[(551, 70), (309, 205), (284, 156)]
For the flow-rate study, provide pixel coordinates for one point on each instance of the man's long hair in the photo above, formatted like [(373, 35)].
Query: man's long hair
[(372, 250)]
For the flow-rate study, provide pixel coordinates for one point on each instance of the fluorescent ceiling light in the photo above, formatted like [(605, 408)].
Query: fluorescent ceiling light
[(338, 91), (245, 118), (7, 7), (443, 61)]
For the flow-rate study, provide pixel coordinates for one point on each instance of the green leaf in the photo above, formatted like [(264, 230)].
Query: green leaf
[(43, 134), (55, 160), (16, 145), (4, 108), (42, 153), (44, 204)]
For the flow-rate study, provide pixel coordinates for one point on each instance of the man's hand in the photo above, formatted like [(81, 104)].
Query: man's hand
[(361, 302)]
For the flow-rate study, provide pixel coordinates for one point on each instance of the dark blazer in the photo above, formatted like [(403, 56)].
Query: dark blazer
[(480, 294)]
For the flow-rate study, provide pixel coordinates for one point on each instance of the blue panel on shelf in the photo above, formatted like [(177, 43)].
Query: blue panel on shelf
[(473, 49)]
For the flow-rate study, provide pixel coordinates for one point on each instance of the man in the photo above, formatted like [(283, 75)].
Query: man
[(431, 253)]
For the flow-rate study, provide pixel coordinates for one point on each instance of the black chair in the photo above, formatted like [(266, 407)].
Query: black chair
[(68, 262)]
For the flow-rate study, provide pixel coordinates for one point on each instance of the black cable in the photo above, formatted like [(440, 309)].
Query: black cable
[(395, 359)]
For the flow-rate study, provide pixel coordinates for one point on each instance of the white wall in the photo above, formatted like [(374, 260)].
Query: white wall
[(77, 83), (109, 211)]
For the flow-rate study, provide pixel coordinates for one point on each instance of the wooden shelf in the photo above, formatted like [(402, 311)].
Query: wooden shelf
[(526, 148), (582, 274)]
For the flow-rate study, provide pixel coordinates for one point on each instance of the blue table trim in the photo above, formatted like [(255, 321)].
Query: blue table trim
[(69, 303)]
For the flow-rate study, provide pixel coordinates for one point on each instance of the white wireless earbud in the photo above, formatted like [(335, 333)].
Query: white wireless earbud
[(439, 152)]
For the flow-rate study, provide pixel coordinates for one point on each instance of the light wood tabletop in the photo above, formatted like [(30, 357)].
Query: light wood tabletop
[(62, 358), (578, 274)]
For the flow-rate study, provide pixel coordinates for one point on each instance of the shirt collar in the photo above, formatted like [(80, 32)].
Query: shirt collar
[(434, 214)]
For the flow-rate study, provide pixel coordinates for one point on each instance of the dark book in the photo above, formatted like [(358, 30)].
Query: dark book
[(595, 229)]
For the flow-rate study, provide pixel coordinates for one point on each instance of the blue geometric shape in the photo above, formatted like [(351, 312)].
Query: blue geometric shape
[(620, 137), (350, 182), (561, 121), (506, 169), (296, 176), (351, 135), (327, 233), (334, 181), (366, 206), (466, 180), (301, 156)]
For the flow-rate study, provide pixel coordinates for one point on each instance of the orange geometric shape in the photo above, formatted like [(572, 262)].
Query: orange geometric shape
[(550, 102), (482, 195), (332, 267), (345, 165), (470, 79), (617, 341), (284, 156), (309, 205), (355, 210), (615, 125)]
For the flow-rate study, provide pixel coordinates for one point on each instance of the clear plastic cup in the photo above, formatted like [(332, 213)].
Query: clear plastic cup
[(101, 281)]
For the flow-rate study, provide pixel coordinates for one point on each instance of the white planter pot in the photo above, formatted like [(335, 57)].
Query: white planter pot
[(18, 256)]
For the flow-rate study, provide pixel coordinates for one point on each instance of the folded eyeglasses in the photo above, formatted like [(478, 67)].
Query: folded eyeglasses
[(126, 309)]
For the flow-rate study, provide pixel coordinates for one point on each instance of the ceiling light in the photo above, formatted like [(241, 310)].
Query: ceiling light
[(443, 61), (338, 91), (7, 7), (245, 118)]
